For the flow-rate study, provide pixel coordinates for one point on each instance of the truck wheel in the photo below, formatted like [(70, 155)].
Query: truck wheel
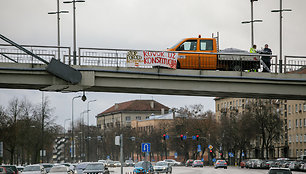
[(178, 65), (237, 68)]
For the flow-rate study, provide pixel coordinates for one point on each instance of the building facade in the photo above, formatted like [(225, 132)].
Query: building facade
[(292, 142), (122, 114)]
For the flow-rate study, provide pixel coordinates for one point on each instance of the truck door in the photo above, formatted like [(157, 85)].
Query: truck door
[(188, 60), (208, 61)]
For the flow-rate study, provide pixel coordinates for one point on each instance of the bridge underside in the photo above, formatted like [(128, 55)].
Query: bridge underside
[(159, 81)]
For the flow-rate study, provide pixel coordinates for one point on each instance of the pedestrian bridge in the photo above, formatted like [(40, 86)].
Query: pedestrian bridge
[(106, 74)]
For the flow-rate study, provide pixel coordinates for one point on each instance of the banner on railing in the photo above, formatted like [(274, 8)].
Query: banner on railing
[(151, 58)]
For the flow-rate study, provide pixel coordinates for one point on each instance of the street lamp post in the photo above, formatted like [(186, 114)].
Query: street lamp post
[(72, 136), (65, 138), (74, 28), (58, 12), (252, 22), (82, 114), (280, 11), (88, 127)]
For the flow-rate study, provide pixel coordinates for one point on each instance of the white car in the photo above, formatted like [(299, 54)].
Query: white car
[(279, 171), (60, 169), (172, 162), (34, 169)]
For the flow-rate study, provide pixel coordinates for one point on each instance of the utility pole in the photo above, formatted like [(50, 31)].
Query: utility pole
[(121, 152)]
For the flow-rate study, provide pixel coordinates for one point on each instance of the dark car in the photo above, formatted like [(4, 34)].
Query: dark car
[(197, 163), (11, 167), (143, 167), (221, 164), (189, 162), (279, 171), (96, 167)]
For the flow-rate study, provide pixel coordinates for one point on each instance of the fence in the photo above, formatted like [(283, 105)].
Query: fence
[(117, 58)]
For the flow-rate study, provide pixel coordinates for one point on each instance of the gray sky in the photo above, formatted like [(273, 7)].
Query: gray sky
[(146, 24)]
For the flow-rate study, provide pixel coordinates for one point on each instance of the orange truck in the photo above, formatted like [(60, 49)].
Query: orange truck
[(194, 53)]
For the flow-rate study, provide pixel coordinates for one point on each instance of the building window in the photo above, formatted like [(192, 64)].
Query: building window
[(289, 124), (304, 122), (301, 138), (296, 108), (304, 138), (128, 118), (138, 117), (300, 107), (304, 151), (289, 139), (301, 122), (297, 138), (297, 152), (147, 117), (289, 109), (239, 102), (296, 123), (304, 107)]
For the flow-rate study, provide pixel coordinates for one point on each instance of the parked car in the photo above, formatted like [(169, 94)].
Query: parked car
[(47, 166), (3, 170), (173, 162), (20, 168), (189, 162), (279, 171), (61, 169), (96, 167), (197, 163), (243, 163), (143, 167), (110, 163), (270, 164), (10, 168), (162, 167), (81, 167), (117, 164), (34, 169), (129, 163), (221, 164)]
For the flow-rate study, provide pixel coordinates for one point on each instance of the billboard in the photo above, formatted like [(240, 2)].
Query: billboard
[(151, 58)]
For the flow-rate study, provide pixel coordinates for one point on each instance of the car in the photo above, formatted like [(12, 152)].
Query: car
[(110, 163), (189, 162), (34, 169), (162, 167), (117, 164), (60, 169), (129, 163), (3, 170), (243, 163), (20, 168), (47, 166), (279, 171), (81, 166), (197, 163), (10, 168), (221, 164), (96, 167), (143, 167), (172, 162)]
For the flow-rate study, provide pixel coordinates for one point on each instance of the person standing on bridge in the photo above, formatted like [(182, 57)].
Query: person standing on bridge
[(266, 59), (253, 49)]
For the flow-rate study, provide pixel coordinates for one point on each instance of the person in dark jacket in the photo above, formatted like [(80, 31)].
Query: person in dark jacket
[(266, 59)]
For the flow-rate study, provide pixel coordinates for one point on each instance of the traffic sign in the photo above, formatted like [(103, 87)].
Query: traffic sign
[(214, 160), (184, 137), (194, 137), (242, 154), (210, 147), (230, 154), (167, 137), (175, 155), (145, 147), (199, 148)]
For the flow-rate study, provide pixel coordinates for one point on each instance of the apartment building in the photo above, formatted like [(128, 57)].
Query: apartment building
[(293, 112), (122, 114)]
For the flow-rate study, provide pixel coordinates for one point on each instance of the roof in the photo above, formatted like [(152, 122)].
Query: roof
[(135, 105)]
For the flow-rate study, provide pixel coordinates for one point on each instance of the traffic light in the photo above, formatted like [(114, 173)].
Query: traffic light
[(182, 137), (164, 136), (210, 151), (197, 137)]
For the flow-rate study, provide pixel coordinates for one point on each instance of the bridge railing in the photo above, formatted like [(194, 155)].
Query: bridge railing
[(294, 63), (11, 54)]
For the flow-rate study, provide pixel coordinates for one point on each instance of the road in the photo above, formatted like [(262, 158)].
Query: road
[(205, 170)]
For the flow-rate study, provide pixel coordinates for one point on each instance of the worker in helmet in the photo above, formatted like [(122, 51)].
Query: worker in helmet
[(253, 49)]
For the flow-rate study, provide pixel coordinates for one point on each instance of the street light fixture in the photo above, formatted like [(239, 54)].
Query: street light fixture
[(72, 137), (88, 127), (58, 12), (74, 28), (252, 22), (280, 11)]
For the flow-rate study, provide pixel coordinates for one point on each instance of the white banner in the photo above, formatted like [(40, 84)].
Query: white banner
[(151, 58)]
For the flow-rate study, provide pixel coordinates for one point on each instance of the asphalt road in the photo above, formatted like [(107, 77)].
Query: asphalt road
[(204, 170)]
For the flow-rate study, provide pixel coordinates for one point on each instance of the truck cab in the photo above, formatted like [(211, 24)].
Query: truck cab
[(189, 58)]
